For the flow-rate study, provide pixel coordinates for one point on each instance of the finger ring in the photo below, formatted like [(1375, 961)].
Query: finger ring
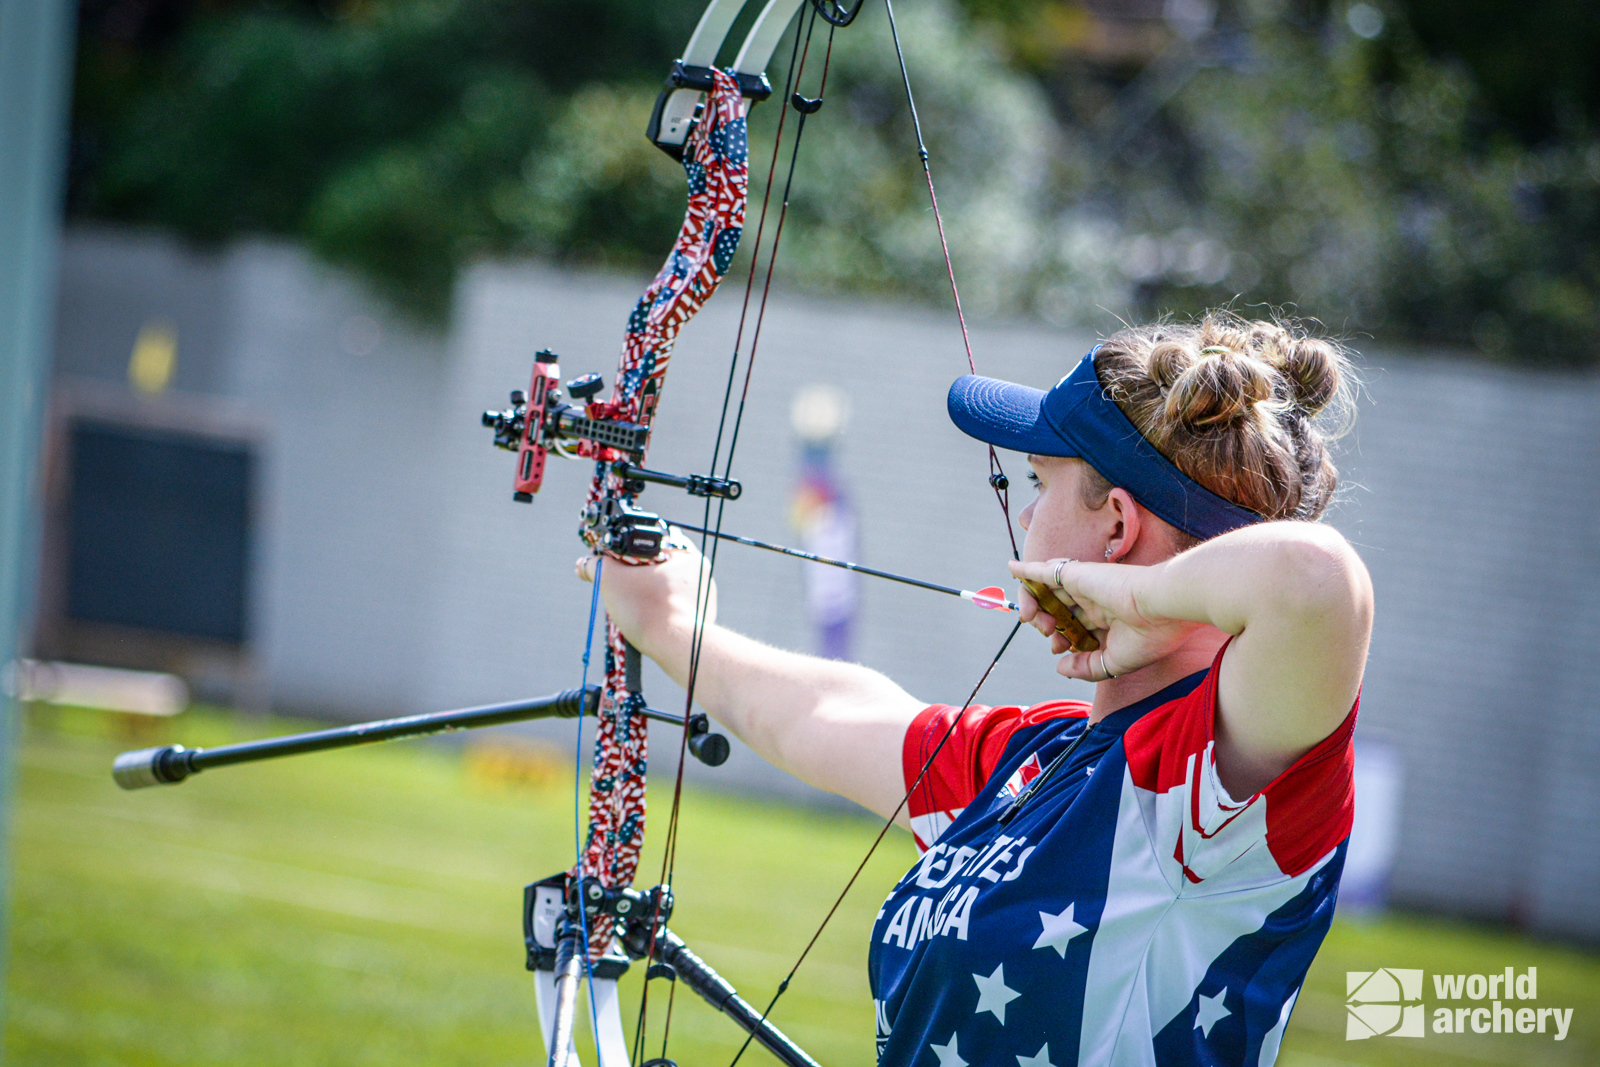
[(1106, 670), (1056, 578)]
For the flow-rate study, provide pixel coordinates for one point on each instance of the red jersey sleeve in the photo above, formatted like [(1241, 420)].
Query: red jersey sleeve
[(948, 756)]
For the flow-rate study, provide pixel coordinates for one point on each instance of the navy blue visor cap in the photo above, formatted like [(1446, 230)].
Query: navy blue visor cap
[(1077, 419)]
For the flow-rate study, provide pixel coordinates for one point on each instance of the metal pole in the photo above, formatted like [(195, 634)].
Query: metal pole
[(715, 990), (35, 65), (571, 950)]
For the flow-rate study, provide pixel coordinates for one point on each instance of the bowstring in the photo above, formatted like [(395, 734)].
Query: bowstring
[(997, 475), (799, 52), (577, 794)]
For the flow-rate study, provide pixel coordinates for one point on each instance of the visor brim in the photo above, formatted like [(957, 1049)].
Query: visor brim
[(1006, 415)]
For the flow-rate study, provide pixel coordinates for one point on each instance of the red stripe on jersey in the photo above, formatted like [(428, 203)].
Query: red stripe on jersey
[(1310, 806)]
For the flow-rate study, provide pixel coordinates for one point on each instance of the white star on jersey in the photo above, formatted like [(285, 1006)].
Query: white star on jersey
[(948, 1056), (993, 996), (1039, 1059), (1058, 930), (1209, 1010)]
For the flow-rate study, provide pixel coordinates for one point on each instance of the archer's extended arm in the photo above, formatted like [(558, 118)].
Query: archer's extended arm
[(838, 726)]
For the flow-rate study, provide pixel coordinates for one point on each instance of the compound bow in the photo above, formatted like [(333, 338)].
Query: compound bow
[(699, 119), (587, 922)]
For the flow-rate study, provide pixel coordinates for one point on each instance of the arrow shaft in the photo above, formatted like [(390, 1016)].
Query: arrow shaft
[(812, 557)]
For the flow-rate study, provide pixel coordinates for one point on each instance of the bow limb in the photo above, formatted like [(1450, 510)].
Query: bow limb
[(674, 113)]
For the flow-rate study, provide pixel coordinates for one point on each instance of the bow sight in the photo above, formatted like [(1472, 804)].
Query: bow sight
[(542, 421)]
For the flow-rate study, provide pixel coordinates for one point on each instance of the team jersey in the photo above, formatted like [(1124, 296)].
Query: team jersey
[(1129, 913)]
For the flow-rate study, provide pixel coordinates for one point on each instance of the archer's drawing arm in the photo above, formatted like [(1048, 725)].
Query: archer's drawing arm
[(838, 726)]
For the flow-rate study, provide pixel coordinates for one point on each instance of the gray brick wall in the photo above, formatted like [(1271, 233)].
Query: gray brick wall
[(1474, 500)]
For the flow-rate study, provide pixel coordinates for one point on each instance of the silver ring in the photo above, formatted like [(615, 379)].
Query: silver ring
[(1056, 579), (1103, 668)]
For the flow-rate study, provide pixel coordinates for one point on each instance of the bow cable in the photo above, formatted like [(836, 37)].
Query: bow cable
[(577, 784), (998, 481)]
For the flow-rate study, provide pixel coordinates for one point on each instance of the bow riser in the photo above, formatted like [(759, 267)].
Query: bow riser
[(716, 160)]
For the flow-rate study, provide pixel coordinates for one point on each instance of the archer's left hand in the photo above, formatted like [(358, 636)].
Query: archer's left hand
[(1105, 598), (654, 604)]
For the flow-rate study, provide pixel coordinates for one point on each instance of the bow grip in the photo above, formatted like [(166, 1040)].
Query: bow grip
[(1067, 624)]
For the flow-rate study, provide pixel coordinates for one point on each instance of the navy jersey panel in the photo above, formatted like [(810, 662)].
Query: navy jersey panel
[(929, 950), (1238, 1013), (1129, 912)]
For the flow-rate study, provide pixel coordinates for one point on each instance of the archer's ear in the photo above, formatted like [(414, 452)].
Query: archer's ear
[(1131, 523)]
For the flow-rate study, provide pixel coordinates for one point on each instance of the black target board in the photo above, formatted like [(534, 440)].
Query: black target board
[(159, 531)]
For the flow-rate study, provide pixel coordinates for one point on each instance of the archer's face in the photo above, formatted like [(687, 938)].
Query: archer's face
[(1058, 524)]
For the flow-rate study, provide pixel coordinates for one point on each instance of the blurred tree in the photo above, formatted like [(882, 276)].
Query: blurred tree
[(1327, 156), (378, 131), (1533, 63), (857, 218), (1417, 168), (403, 138)]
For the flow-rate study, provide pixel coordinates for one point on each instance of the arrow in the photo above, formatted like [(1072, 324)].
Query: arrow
[(991, 598)]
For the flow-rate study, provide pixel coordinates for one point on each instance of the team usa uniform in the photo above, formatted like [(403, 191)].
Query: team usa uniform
[(1131, 913)]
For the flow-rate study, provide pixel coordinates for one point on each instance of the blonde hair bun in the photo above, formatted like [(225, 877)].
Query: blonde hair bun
[(1210, 387), (1236, 404)]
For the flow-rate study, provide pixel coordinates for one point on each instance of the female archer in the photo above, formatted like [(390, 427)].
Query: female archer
[(1143, 879)]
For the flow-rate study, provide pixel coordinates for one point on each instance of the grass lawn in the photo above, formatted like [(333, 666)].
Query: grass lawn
[(363, 907)]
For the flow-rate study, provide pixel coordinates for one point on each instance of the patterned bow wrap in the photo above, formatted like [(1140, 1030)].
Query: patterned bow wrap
[(716, 159)]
